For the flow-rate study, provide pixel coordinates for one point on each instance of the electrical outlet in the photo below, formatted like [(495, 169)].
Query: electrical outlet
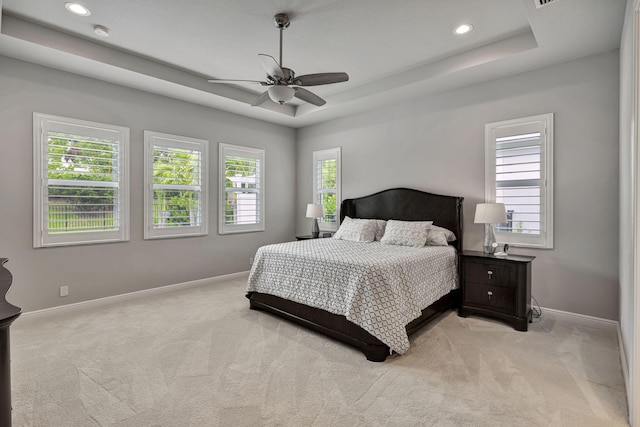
[(64, 291)]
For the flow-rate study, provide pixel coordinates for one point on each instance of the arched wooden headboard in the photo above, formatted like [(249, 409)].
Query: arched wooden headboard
[(406, 204)]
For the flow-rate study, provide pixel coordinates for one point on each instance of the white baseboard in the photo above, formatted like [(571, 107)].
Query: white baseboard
[(625, 367), (32, 316), (583, 317)]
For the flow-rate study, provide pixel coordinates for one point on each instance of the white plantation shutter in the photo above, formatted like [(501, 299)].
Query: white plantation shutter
[(176, 186), (88, 201), (519, 166), (80, 182), (241, 189), (326, 186), (518, 163)]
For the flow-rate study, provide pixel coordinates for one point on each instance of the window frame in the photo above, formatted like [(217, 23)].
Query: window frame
[(42, 125), (151, 140), (544, 124), (328, 154), (225, 150)]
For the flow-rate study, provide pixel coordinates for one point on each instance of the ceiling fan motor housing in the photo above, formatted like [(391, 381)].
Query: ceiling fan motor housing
[(289, 75)]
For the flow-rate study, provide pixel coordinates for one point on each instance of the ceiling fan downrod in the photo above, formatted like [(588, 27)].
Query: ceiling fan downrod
[(281, 21)]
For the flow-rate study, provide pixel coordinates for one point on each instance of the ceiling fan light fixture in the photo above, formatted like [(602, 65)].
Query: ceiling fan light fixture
[(281, 93)]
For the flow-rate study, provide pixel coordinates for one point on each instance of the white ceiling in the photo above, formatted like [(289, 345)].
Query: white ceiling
[(393, 51)]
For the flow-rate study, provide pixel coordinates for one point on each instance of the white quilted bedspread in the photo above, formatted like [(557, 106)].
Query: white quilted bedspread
[(380, 288)]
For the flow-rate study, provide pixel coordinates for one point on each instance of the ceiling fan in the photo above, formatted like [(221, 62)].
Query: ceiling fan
[(283, 83)]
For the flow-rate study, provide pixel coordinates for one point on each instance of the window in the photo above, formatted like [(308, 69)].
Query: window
[(175, 190), (241, 189), (326, 186), (519, 173), (81, 182)]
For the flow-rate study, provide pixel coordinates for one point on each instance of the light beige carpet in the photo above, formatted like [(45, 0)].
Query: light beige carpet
[(200, 357)]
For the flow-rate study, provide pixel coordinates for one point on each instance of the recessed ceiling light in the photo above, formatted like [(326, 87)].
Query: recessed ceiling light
[(101, 31), (77, 9), (463, 29)]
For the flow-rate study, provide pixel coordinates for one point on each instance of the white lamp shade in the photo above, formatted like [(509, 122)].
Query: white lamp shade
[(314, 210), (490, 213), (281, 93)]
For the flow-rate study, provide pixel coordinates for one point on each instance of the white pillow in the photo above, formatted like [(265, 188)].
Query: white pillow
[(356, 230), (406, 233), (439, 236), (436, 238), (450, 236)]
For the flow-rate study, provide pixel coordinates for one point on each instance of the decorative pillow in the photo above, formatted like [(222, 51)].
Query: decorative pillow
[(381, 224), (406, 233), (356, 230)]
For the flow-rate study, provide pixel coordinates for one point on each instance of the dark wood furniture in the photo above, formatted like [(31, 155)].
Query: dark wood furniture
[(323, 235), (306, 237), (8, 313), (398, 203), (499, 287)]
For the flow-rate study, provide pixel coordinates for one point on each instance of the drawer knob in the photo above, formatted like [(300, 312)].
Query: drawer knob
[(489, 294), (490, 273)]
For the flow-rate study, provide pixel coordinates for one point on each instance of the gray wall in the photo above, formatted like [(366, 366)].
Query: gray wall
[(95, 271), (628, 177), (434, 144), (437, 144)]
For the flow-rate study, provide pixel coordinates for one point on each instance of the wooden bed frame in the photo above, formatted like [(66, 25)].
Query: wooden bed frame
[(397, 203)]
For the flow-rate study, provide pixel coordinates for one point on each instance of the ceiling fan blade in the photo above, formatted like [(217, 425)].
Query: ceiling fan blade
[(237, 81), (271, 66), (261, 99), (321, 79), (308, 96)]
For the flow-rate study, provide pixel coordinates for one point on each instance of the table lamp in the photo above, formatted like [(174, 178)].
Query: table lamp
[(315, 211), (490, 214)]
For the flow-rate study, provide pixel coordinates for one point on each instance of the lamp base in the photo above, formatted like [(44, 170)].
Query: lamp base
[(489, 239), (315, 230)]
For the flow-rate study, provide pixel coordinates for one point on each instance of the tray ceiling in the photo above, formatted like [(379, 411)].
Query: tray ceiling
[(392, 51)]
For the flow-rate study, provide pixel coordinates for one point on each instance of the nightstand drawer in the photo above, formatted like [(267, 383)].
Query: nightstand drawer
[(494, 297), (490, 273)]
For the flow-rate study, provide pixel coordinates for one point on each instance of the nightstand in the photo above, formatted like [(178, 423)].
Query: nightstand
[(498, 287), (323, 235), (307, 237)]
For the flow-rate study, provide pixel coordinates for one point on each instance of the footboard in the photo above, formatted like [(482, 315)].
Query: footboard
[(338, 327)]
